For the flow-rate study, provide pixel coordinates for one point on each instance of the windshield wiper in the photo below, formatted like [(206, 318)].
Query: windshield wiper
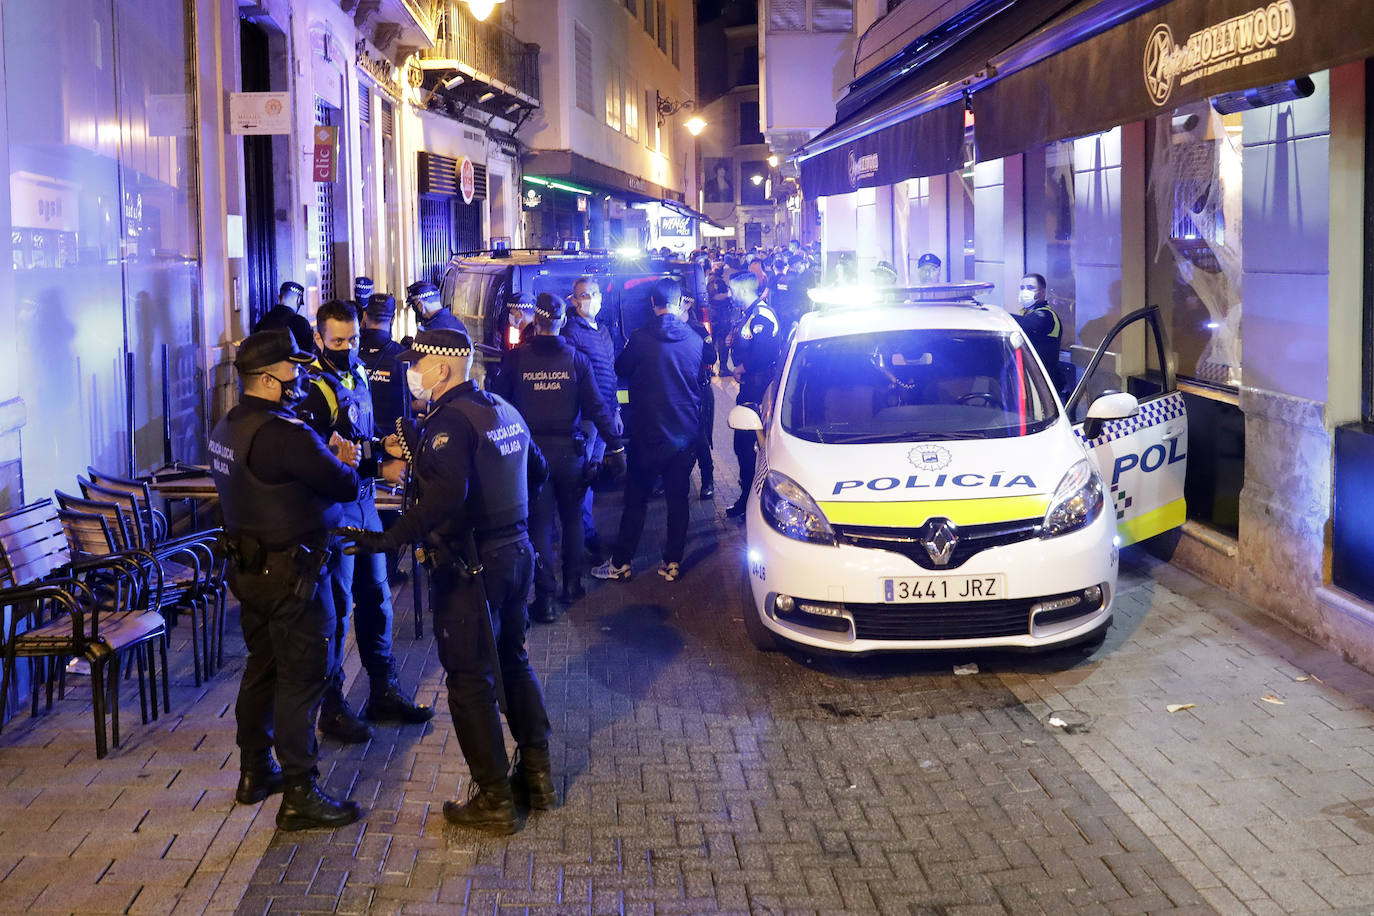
[(860, 439)]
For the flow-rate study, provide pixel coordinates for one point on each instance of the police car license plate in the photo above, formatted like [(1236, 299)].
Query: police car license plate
[(944, 588)]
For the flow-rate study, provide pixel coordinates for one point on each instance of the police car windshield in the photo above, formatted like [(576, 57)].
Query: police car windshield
[(915, 386)]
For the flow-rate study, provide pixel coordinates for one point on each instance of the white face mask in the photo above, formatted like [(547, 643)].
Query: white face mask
[(1027, 296), (415, 381), (589, 308)]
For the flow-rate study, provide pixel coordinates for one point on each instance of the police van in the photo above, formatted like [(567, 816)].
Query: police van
[(921, 484), (475, 286)]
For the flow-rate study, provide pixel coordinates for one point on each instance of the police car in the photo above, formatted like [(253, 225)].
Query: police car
[(921, 484)]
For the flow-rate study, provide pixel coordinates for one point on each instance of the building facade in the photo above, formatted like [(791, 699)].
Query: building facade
[(1209, 159), (170, 163), (611, 161)]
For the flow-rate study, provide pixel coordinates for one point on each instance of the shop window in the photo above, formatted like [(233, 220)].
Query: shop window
[(1050, 203), (1193, 272)]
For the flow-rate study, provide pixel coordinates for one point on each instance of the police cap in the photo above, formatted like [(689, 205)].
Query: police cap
[(522, 301), (381, 307), (928, 260), (421, 290), (550, 307), (262, 349), (290, 286), (439, 342), (363, 287)]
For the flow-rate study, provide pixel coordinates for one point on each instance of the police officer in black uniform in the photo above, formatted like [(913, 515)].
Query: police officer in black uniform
[(279, 489), (472, 460), (340, 401), (430, 313), (553, 386), (704, 456), (754, 351), (377, 352), (286, 314)]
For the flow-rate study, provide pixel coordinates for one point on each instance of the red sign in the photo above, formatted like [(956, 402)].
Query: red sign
[(467, 180), (325, 163)]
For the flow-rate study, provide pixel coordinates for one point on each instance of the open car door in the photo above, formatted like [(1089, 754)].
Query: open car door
[(1143, 458)]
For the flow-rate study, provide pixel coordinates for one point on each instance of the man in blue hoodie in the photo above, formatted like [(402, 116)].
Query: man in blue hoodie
[(661, 362)]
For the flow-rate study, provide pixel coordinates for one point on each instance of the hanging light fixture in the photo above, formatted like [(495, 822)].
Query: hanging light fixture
[(695, 125), (481, 9)]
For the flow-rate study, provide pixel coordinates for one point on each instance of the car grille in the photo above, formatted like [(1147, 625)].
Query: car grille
[(973, 540), (963, 620)]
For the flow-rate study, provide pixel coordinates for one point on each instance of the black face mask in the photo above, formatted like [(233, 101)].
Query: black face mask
[(342, 360), (292, 390)]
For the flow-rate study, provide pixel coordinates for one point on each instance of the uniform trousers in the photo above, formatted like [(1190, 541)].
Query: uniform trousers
[(290, 643), (360, 583), (704, 457), (470, 614), (558, 507)]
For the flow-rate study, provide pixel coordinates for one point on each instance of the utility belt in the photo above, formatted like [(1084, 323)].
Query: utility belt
[(304, 563), (463, 554)]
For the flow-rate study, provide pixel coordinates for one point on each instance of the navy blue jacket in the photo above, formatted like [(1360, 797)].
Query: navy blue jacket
[(596, 344), (661, 363)]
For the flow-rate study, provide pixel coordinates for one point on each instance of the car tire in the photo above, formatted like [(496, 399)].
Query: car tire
[(764, 639)]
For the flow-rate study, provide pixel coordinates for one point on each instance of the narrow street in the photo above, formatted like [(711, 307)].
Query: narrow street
[(702, 776)]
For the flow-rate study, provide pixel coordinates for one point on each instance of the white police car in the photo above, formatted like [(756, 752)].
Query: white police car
[(922, 486)]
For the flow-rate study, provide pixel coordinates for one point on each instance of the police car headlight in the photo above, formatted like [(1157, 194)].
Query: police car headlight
[(1076, 503), (792, 512)]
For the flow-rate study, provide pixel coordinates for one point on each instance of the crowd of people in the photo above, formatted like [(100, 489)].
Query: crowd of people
[(498, 496)]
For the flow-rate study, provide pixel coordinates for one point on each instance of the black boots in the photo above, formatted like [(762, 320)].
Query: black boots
[(305, 805), (573, 593), (389, 704), (543, 610), (337, 720), (490, 809), (532, 779), (259, 777)]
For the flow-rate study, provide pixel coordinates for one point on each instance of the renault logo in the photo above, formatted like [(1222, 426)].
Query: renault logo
[(941, 537)]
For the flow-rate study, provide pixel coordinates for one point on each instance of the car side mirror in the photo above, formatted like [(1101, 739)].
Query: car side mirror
[(1115, 405), (744, 418)]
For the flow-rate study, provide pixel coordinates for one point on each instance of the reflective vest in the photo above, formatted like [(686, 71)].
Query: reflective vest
[(349, 399)]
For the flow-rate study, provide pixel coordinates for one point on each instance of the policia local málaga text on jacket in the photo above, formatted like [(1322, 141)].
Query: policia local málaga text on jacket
[(554, 388), (280, 488), (339, 400), (472, 461)]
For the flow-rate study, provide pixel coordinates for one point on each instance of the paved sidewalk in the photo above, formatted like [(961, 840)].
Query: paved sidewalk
[(702, 776)]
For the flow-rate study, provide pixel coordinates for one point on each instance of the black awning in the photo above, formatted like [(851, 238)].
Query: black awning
[(929, 143), (1173, 54), (682, 209)]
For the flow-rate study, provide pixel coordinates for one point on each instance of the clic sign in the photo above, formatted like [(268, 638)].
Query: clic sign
[(325, 160)]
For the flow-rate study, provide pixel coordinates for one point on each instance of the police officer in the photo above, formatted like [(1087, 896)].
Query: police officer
[(1041, 325), (286, 314), (430, 313), (704, 457), (279, 489), (472, 461), (754, 352), (340, 401), (362, 292), (377, 352), (553, 386)]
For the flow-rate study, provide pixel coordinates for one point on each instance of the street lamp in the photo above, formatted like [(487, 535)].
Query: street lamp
[(773, 161), (481, 9), (667, 108)]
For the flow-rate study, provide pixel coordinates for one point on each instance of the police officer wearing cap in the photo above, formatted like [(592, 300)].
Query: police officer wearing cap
[(754, 351), (340, 401), (279, 489), (286, 314), (553, 386), (472, 461), (430, 313)]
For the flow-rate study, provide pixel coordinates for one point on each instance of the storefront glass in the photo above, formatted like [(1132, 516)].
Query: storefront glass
[(103, 224)]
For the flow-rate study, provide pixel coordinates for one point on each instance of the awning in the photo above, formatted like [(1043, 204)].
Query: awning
[(682, 209), (1176, 53), (571, 168), (908, 122)]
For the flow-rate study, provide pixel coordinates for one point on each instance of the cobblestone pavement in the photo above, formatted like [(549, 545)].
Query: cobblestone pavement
[(702, 776)]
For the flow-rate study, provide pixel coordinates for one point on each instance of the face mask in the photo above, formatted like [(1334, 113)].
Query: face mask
[(342, 360), (415, 381), (291, 389), (1027, 297), (589, 308)]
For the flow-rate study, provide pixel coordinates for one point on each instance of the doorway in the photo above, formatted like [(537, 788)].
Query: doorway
[(260, 234)]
